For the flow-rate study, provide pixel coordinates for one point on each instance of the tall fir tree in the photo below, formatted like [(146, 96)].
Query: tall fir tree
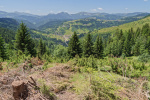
[(87, 46), (98, 47), (24, 41), (41, 48), (138, 32), (2, 49), (44, 48), (74, 47), (127, 45), (146, 30)]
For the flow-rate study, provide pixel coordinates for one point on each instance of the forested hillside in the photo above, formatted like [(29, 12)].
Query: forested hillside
[(125, 27), (75, 62), (7, 34), (86, 25), (9, 23)]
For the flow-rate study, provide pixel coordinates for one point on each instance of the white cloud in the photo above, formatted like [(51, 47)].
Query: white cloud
[(94, 10), (100, 8), (97, 10), (126, 8), (145, 0), (27, 11)]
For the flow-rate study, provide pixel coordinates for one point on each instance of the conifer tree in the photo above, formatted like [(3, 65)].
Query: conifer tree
[(136, 49), (127, 45), (2, 49), (23, 40), (44, 48), (87, 46), (146, 30), (41, 48), (138, 32), (132, 34), (74, 47), (98, 47), (40, 51)]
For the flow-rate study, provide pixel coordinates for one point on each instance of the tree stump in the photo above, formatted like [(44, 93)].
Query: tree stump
[(1, 67), (20, 90)]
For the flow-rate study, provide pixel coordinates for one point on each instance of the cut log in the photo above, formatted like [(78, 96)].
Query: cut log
[(20, 90)]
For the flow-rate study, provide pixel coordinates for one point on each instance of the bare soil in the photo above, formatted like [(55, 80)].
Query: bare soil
[(57, 78)]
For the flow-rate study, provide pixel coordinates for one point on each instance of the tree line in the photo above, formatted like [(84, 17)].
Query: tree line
[(129, 43), (23, 44), (121, 43)]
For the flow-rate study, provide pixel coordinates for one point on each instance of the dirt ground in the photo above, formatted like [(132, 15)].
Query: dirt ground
[(57, 78)]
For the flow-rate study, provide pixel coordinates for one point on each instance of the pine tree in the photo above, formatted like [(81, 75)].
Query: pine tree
[(74, 46), (127, 45), (132, 34), (98, 47), (136, 49), (87, 48), (148, 44), (146, 30), (138, 32), (44, 48), (41, 48), (23, 40), (2, 49)]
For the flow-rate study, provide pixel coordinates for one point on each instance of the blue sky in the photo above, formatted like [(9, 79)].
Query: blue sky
[(43, 7)]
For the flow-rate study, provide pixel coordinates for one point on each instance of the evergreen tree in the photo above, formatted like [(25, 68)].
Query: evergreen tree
[(98, 47), (41, 48), (132, 38), (74, 46), (23, 40), (136, 48), (87, 48), (2, 49), (40, 51), (127, 45), (148, 44), (146, 30), (138, 32), (44, 48)]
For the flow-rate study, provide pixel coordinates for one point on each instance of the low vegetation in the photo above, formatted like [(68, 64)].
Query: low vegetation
[(112, 68)]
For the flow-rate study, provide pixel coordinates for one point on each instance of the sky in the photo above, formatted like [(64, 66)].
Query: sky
[(44, 7)]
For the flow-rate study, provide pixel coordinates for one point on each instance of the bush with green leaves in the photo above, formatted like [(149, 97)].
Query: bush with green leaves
[(144, 57), (46, 92), (45, 66), (103, 90), (87, 62)]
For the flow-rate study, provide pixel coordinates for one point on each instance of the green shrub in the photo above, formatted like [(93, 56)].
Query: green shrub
[(144, 57), (136, 74), (45, 66), (30, 65), (88, 62), (143, 67), (103, 90), (46, 92)]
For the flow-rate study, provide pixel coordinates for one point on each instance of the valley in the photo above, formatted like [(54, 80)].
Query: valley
[(81, 56)]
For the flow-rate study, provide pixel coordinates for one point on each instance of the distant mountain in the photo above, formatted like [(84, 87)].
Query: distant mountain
[(34, 21), (124, 27), (129, 14), (83, 26), (9, 23), (7, 34)]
